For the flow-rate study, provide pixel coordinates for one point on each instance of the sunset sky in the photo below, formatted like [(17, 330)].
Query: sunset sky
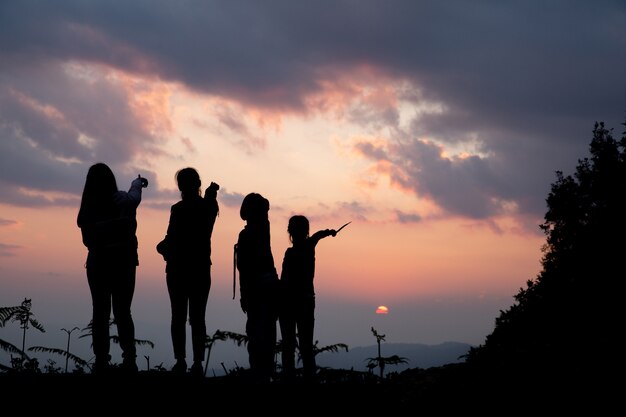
[(435, 127)]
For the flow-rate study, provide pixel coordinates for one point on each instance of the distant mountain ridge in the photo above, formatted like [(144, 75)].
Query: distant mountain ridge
[(418, 355)]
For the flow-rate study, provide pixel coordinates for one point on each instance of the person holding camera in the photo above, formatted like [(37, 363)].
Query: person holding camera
[(108, 222), (186, 250)]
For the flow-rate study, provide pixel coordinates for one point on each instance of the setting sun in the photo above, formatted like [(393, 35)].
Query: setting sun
[(382, 310)]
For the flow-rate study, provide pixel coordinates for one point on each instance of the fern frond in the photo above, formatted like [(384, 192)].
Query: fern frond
[(76, 359)]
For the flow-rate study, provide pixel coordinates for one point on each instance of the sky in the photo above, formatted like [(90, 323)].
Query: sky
[(435, 127)]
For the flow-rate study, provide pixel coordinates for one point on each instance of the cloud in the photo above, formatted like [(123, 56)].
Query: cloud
[(408, 217), (8, 250), (230, 199), (7, 222), (517, 81), (469, 186), (55, 122)]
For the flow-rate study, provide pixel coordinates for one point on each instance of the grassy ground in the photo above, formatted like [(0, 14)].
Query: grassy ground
[(443, 390), (155, 391)]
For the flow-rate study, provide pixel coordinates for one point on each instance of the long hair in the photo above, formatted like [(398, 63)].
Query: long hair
[(188, 182), (98, 193)]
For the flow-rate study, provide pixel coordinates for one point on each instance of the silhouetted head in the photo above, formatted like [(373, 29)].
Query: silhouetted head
[(100, 187), (254, 206), (188, 182), (100, 183), (298, 228)]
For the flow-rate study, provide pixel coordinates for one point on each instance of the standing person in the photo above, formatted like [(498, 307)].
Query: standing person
[(297, 304), (108, 224), (187, 252), (258, 287)]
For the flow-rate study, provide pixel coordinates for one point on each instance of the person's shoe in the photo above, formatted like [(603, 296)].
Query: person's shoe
[(180, 367), (196, 369)]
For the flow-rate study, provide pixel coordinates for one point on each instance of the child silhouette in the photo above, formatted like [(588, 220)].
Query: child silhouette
[(297, 302)]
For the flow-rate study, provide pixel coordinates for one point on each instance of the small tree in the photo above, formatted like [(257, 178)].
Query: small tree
[(380, 360), (25, 317)]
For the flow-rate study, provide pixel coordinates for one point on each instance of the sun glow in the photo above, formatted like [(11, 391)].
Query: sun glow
[(382, 310)]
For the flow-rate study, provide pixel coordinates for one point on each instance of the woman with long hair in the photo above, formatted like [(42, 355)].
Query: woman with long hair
[(108, 224)]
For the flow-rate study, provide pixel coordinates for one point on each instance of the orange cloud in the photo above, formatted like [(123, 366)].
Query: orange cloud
[(149, 100)]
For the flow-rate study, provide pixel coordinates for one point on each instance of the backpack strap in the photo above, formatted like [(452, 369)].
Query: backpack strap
[(234, 269)]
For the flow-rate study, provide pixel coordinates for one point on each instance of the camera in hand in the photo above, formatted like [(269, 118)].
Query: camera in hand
[(144, 181)]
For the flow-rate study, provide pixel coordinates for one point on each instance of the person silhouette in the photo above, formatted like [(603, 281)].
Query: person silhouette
[(297, 296), (186, 250), (258, 287), (108, 222)]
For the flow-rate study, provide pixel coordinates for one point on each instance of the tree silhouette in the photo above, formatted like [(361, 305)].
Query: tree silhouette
[(6, 314), (25, 317), (567, 319), (380, 360)]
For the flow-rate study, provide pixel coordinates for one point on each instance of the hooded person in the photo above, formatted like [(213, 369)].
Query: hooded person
[(258, 285)]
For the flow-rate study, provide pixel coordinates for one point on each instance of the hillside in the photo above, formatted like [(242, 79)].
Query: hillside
[(418, 355)]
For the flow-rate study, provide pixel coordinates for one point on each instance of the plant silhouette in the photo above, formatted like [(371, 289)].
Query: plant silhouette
[(380, 360), (87, 332), (24, 315), (239, 339), (80, 362), (64, 353), (26, 318), (329, 348)]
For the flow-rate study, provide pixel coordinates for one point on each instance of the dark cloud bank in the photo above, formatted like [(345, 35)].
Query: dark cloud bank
[(527, 79)]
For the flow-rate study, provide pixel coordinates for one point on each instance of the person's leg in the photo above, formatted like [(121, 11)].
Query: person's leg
[(252, 331), (101, 307), (261, 332), (178, 303), (267, 348), (287, 323), (198, 298), (306, 322), (122, 297), (256, 339)]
